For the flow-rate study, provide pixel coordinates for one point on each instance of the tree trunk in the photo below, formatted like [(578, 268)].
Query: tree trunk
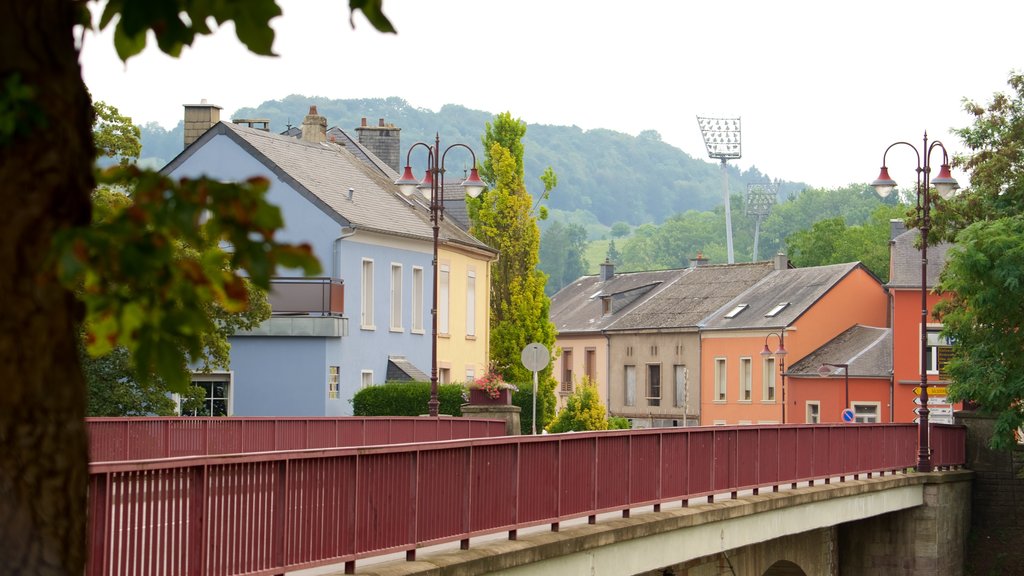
[(45, 180)]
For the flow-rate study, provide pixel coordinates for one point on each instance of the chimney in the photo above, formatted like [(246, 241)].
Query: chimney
[(781, 261), (314, 127), (698, 260), (382, 140), (198, 119), (896, 227), (607, 270)]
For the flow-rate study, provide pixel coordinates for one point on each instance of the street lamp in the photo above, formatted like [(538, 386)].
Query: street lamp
[(780, 356), (432, 187), (946, 186), (825, 370)]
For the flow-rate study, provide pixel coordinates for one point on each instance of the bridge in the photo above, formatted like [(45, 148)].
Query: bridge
[(791, 499)]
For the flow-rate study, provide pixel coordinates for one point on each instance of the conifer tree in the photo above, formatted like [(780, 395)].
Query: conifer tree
[(504, 217)]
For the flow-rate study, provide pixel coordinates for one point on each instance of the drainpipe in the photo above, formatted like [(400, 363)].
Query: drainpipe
[(892, 400), (608, 374), (346, 231)]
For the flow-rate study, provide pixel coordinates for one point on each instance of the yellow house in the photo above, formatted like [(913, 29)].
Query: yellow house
[(464, 304)]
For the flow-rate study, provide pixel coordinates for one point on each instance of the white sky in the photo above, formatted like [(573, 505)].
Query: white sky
[(822, 87)]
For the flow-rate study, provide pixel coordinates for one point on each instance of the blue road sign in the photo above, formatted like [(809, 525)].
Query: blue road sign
[(847, 415)]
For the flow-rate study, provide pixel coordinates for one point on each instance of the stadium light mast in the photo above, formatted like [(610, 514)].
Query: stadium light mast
[(722, 139), (760, 199)]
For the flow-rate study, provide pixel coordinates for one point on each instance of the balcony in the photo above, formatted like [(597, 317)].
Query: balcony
[(307, 297)]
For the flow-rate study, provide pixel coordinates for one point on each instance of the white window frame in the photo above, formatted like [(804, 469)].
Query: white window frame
[(629, 379), (721, 380), (417, 300), (365, 378), (875, 406), (746, 379), (935, 343), (396, 298), (471, 304), (470, 374), (768, 388), (333, 382), (443, 293), (814, 418), (198, 378), (366, 297)]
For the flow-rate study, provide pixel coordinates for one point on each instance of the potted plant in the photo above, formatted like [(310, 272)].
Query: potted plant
[(491, 389)]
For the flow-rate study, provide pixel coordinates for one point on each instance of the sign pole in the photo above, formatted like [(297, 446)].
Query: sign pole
[(535, 358)]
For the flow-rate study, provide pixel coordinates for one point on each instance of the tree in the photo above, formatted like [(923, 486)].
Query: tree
[(583, 410), (983, 273), (504, 218), (46, 177), (832, 241), (562, 255)]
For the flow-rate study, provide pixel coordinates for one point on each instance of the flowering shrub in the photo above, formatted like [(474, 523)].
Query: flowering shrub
[(492, 384)]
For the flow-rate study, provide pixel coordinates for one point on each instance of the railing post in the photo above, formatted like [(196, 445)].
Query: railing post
[(99, 525), (198, 480)]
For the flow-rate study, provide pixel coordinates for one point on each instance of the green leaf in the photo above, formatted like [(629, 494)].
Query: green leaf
[(128, 45), (252, 25), (372, 9)]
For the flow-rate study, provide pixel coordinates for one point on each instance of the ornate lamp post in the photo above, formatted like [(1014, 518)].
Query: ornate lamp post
[(780, 356), (432, 187), (825, 370), (946, 186)]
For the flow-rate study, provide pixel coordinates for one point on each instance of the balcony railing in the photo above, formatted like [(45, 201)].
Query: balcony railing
[(314, 296)]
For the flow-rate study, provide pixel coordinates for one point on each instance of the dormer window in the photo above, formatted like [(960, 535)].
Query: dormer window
[(779, 308), (606, 305), (736, 311)]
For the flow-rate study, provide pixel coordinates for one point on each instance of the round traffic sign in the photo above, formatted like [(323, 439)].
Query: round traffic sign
[(847, 415), (535, 357)]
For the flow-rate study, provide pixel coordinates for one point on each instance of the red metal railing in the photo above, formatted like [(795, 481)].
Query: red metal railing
[(271, 512), (117, 439)]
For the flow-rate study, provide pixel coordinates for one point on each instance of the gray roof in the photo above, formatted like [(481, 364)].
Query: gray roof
[(689, 298), (797, 288), (578, 307), (401, 370), (906, 261), (324, 173), (867, 350)]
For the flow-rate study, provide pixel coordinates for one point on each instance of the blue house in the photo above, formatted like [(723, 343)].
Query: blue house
[(363, 322)]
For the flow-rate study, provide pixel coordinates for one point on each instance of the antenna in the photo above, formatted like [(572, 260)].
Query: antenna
[(760, 199), (722, 139)]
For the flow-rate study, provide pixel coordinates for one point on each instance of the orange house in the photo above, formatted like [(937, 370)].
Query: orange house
[(853, 371), (905, 289), (798, 308)]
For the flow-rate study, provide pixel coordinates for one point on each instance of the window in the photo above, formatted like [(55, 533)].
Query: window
[(442, 300), (366, 312), (630, 385), (217, 388), (939, 351), (813, 412), (865, 411), (444, 375), (396, 297), (470, 374), (471, 303), (567, 370), (417, 299), (366, 378), (590, 363), (679, 375), (768, 379), (333, 382), (745, 380), (654, 384), (778, 308), (720, 375), (735, 311)]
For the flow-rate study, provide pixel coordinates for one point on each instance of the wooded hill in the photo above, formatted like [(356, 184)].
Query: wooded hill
[(603, 176)]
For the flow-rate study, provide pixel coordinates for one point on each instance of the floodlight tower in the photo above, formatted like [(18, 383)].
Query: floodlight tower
[(722, 139), (760, 199)]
